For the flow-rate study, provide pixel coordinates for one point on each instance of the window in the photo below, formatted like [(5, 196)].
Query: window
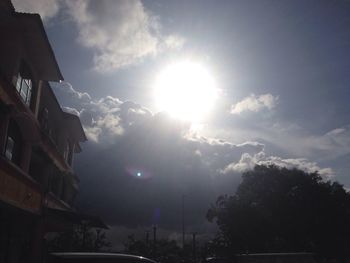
[(13, 147), (44, 119), (24, 84), (56, 183), (10, 145), (24, 88)]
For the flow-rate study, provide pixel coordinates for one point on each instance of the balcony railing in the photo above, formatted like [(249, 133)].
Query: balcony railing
[(18, 188)]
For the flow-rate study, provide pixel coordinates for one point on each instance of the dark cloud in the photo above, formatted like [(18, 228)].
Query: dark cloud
[(137, 166), (170, 166)]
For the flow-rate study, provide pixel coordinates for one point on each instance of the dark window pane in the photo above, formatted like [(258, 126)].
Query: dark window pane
[(13, 147), (10, 144), (19, 83)]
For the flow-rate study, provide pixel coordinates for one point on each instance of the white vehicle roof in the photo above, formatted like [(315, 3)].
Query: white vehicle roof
[(98, 255)]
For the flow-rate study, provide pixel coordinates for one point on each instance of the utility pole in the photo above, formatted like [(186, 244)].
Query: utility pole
[(154, 240), (194, 246), (147, 239), (84, 234), (183, 221)]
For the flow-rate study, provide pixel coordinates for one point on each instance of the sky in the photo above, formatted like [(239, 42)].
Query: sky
[(281, 71)]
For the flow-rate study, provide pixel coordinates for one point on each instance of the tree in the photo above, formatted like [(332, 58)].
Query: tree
[(284, 210), (166, 250), (217, 247), (80, 238)]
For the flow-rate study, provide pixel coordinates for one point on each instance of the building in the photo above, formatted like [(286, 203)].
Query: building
[(37, 141)]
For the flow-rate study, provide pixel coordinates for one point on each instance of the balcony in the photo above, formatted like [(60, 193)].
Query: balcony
[(60, 187), (18, 188)]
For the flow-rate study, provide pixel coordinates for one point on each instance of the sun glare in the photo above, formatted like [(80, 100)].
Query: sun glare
[(186, 90)]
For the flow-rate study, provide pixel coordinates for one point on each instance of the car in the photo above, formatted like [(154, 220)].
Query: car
[(89, 257), (217, 260)]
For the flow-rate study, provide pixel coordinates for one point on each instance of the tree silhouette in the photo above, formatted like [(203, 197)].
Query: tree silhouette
[(166, 250), (282, 210), (82, 238)]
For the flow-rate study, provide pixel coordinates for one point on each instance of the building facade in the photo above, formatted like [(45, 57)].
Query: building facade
[(37, 140)]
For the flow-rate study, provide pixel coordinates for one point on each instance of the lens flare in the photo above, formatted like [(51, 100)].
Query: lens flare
[(137, 172)]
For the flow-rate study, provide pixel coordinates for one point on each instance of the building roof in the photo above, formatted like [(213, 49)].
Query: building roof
[(38, 46), (7, 4), (76, 127)]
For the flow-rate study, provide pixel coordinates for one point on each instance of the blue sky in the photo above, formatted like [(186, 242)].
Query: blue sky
[(282, 68)]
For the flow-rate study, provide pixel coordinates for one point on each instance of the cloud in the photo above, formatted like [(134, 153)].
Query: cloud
[(67, 87), (255, 103), (104, 120), (120, 33), (109, 119), (338, 140), (322, 147), (71, 110), (46, 8), (126, 138), (173, 42), (247, 162), (289, 139)]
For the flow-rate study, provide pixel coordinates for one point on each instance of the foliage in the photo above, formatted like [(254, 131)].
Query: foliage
[(138, 247), (163, 251), (281, 210), (217, 247), (79, 238)]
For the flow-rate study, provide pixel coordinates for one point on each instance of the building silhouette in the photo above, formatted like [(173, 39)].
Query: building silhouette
[(38, 141)]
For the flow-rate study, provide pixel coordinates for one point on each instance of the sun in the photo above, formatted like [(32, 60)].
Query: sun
[(185, 90)]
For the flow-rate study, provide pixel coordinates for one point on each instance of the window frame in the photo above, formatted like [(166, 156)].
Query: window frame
[(24, 87), (14, 134), (9, 152), (24, 83), (66, 151)]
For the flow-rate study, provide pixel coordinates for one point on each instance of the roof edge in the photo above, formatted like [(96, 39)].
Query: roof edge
[(38, 19)]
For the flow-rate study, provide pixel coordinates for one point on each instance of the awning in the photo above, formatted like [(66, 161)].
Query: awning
[(76, 218)]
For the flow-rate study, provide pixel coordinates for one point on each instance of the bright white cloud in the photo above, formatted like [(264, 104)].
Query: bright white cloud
[(71, 110), (255, 103), (71, 91), (46, 8), (290, 139), (110, 123), (120, 33), (93, 133), (103, 119), (247, 162)]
